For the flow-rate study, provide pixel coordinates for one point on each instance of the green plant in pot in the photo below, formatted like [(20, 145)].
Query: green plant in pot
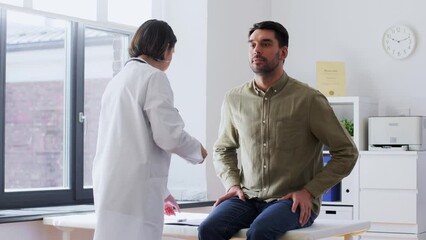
[(349, 125)]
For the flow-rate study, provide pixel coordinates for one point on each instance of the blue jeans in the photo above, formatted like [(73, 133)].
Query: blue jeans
[(266, 221)]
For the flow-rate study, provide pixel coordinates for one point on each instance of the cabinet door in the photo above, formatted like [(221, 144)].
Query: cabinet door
[(387, 236), (388, 206), (336, 212), (387, 171)]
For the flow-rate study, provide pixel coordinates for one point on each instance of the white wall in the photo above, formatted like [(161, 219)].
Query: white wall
[(187, 75), (35, 230), (23, 231), (351, 31)]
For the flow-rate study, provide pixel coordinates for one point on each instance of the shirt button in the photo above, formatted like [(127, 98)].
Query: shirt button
[(264, 189), (266, 99), (264, 166), (263, 122), (264, 144)]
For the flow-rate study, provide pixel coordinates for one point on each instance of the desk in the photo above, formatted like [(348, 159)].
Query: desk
[(322, 228)]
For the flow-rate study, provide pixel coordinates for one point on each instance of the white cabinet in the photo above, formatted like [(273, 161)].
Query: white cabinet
[(336, 212), (357, 109), (392, 236), (393, 194)]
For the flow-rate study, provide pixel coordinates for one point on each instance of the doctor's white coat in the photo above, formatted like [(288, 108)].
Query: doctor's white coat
[(139, 128)]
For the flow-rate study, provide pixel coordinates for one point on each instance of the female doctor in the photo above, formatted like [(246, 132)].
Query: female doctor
[(139, 128)]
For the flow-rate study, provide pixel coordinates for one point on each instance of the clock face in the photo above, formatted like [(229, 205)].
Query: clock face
[(399, 41)]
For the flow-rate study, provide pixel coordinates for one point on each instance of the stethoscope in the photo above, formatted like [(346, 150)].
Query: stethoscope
[(135, 59)]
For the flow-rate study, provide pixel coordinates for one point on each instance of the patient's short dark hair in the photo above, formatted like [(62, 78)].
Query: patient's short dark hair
[(281, 33)]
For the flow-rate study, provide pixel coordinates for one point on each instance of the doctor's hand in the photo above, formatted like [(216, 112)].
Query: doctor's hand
[(203, 152), (302, 199), (233, 191), (170, 205)]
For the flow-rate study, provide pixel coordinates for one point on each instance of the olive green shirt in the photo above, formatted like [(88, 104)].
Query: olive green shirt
[(280, 134)]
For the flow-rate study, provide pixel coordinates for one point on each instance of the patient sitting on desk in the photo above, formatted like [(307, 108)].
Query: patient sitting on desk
[(280, 126)]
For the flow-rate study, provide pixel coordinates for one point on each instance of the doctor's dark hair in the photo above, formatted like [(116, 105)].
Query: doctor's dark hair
[(152, 38), (281, 33)]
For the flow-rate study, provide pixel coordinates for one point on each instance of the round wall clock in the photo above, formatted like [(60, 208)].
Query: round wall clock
[(399, 41)]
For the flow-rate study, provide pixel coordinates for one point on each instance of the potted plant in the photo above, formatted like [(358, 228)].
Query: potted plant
[(348, 125)]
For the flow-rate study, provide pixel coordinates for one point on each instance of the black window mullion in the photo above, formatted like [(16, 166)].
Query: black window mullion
[(2, 96), (13, 200), (79, 42)]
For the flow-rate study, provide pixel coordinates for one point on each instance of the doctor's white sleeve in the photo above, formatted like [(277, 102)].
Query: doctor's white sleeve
[(166, 123)]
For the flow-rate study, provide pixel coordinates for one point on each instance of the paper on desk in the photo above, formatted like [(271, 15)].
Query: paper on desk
[(184, 218)]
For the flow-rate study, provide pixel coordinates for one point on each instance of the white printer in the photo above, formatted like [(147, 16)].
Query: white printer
[(397, 133)]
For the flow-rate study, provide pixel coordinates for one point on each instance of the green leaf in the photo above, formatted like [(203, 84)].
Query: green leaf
[(348, 125)]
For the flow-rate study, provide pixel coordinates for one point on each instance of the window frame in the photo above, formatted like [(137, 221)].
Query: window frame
[(76, 194), (2, 96), (83, 193)]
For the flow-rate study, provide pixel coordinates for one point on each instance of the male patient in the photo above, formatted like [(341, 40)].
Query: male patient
[(280, 126)]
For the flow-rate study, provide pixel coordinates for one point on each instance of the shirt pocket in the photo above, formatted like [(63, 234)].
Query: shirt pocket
[(289, 134)]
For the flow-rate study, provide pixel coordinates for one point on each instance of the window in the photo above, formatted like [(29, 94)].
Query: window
[(13, 2), (105, 55), (137, 12), (127, 12), (85, 9), (52, 76), (35, 143)]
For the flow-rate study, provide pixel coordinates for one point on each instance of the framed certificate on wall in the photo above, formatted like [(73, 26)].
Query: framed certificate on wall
[(331, 78)]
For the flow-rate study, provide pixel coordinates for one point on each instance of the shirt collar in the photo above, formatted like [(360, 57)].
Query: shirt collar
[(278, 86)]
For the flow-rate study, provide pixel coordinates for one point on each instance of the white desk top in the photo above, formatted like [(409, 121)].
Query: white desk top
[(320, 229), (85, 221)]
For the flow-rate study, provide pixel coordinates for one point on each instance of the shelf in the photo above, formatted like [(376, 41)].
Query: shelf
[(357, 109)]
